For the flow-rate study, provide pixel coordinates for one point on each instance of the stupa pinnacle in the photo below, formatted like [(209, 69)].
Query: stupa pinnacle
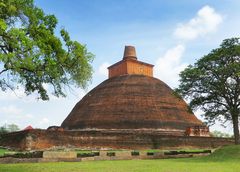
[(129, 53), (129, 65)]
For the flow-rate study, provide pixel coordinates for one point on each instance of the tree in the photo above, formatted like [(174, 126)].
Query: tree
[(216, 133), (6, 128), (3, 130), (31, 55), (213, 84), (12, 128)]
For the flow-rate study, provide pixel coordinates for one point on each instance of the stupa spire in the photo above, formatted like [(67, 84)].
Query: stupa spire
[(129, 65), (129, 53)]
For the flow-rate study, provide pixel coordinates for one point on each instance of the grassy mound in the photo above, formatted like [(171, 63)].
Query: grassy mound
[(225, 153)]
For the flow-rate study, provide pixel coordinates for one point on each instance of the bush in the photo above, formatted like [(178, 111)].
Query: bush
[(135, 153), (186, 152), (110, 153), (89, 154), (37, 154), (150, 153)]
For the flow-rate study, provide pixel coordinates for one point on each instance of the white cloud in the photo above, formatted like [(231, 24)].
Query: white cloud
[(14, 115), (12, 95), (168, 67), (43, 123), (10, 110), (19, 94), (80, 94), (206, 21), (103, 69)]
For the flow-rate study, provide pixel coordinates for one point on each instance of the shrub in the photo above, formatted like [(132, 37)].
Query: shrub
[(150, 153), (89, 154), (135, 153), (110, 153), (36, 154)]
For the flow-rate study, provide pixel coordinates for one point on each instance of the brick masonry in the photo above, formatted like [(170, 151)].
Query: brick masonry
[(130, 65), (131, 102), (43, 139)]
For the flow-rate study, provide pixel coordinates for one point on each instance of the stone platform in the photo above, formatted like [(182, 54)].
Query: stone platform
[(106, 139), (65, 156)]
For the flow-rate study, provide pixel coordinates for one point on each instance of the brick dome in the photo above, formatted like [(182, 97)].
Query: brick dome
[(131, 102)]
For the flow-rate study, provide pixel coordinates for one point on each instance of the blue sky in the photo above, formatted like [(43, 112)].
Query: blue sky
[(168, 34)]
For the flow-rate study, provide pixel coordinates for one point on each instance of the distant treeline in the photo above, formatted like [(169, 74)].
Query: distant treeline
[(221, 134), (7, 128)]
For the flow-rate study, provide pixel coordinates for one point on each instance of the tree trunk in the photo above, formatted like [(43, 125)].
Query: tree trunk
[(235, 128)]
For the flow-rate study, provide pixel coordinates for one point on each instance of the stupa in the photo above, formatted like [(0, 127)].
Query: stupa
[(130, 110), (132, 99)]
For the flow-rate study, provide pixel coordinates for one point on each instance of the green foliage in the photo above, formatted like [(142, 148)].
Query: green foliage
[(3, 151), (12, 128), (32, 55), (8, 128), (35, 154), (225, 154), (220, 134), (87, 154), (213, 84), (135, 153), (3, 130)]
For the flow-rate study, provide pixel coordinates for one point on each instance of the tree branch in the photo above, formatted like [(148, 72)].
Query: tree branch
[(4, 70), (2, 48)]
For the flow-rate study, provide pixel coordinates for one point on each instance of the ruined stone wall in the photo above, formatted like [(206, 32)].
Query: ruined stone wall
[(42, 139), (15, 140)]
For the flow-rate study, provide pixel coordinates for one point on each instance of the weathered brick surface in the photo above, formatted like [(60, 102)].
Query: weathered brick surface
[(59, 154), (42, 139), (130, 65), (88, 159), (123, 153), (131, 102)]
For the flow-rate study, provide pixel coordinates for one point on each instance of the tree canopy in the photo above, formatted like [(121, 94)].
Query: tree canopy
[(216, 133), (31, 54), (213, 84), (8, 128)]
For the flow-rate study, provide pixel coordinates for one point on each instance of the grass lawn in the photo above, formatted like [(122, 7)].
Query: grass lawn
[(2, 151), (226, 159)]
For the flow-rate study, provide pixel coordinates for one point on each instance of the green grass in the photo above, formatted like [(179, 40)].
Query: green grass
[(225, 154), (223, 160), (3, 151)]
